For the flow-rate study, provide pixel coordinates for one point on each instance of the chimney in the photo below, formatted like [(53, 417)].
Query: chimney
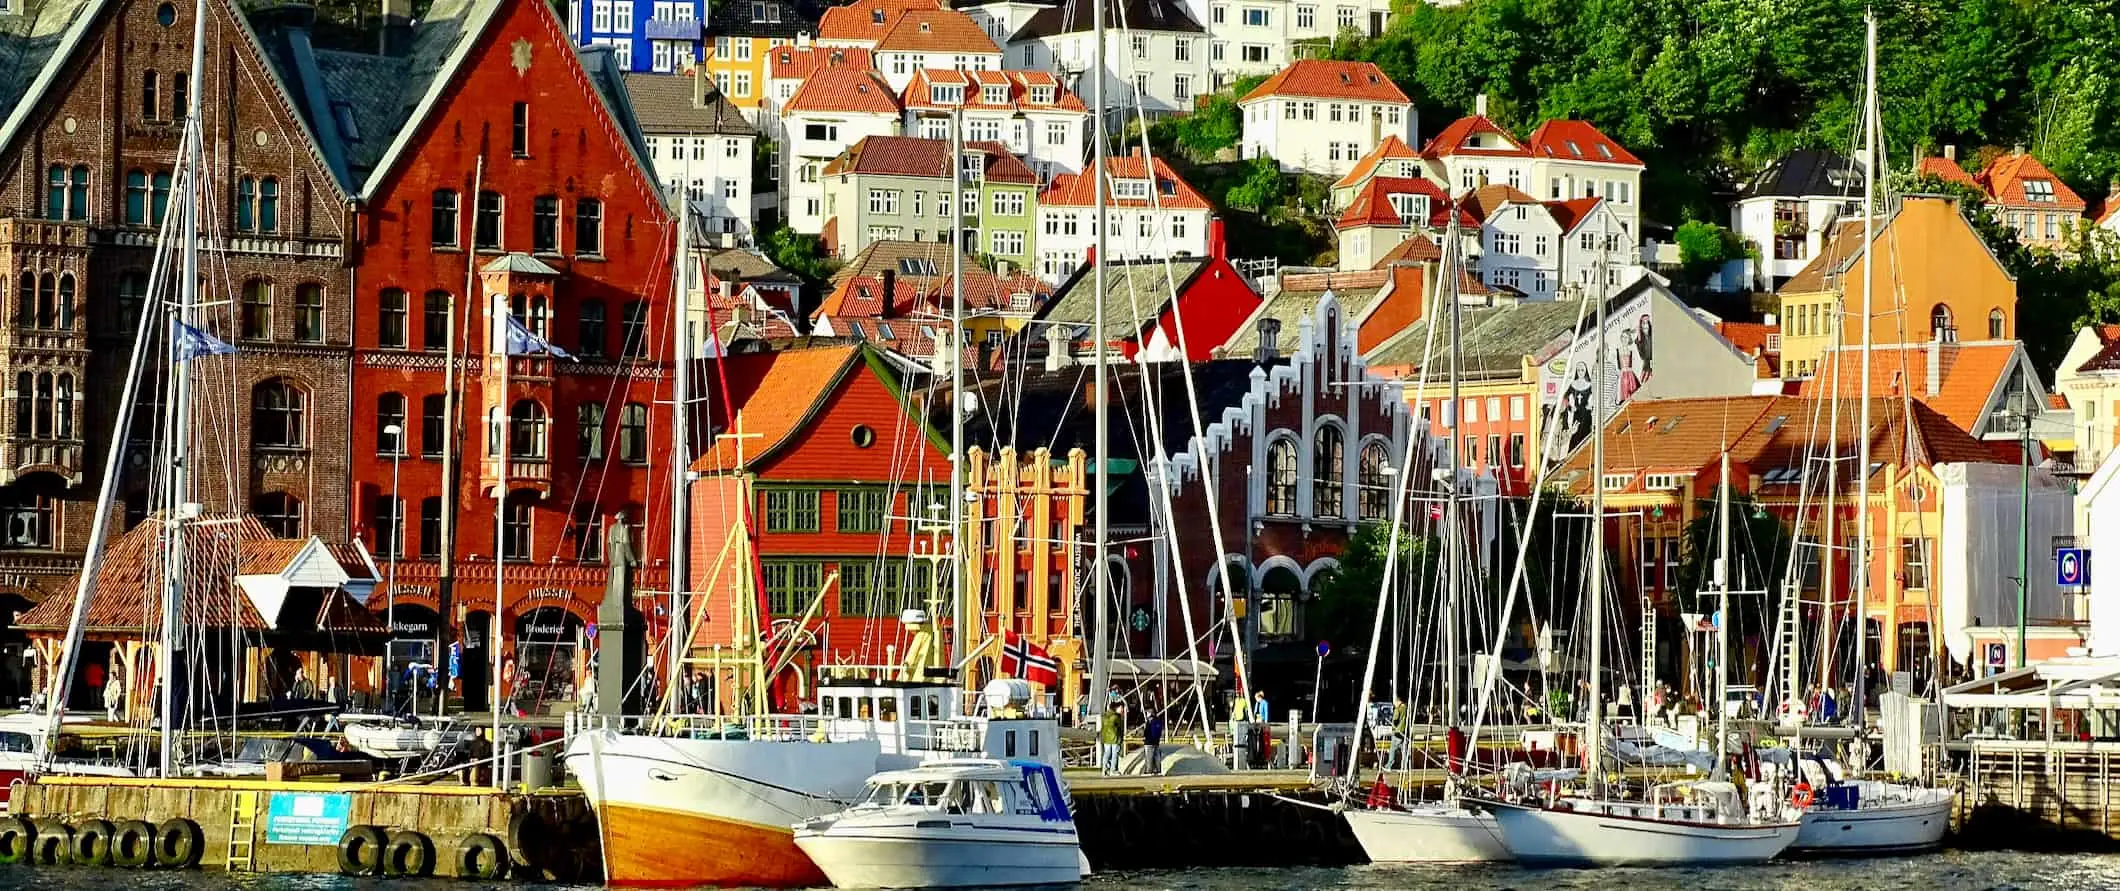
[(1935, 368), (1269, 341), (1479, 105), (1217, 239), (1089, 257), (397, 27), (1950, 153), (1058, 352), (699, 86), (890, 293), (2017, 149), (728, 288)]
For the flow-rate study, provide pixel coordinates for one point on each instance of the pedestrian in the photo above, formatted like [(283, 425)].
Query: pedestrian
[(1828, 706), (1625, 709), (1111, 737), (1259, 709), (700, 693), (1152, 741), (1262, 728), (114, 698), (1401, 735)]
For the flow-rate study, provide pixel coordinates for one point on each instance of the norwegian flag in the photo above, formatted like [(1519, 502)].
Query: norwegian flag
[(1022, 659)]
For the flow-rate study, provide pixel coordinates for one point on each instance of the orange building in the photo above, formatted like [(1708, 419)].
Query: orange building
[(1029, 537)]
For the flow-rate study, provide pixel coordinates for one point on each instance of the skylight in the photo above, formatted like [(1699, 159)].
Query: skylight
[(2039, 190), (916, 266)]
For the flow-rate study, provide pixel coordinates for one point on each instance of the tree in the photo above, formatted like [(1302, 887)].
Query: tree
[(1704, 247), (801, 254), (1343, 604)]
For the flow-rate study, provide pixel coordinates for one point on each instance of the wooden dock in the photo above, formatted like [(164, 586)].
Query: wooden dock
[(2037, 795)]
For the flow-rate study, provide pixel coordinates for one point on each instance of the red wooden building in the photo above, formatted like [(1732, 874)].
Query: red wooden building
[(1145, 302)]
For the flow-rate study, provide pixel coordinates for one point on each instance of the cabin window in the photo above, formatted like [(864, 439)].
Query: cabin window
[(1008, 744), (1034, 745), (846, 707), (887, 709), (934, 707), (914, 706)]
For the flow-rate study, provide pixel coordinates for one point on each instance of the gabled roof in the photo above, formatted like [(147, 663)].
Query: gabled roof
[(799, 62), (1568, 140), (2108, 356), (2006, 176), (775, 395), (919, 93), (1572, 212), (930, 158), (1806, 173), (1481, 202), (1417, 249), (1969, 376), (1139, 15), (1948, 170), (1372, 206), (1077, 190), (408, 90), (866, 21), (928, 259), (1297, 300), (787, 19), (669, 103), (1327, 79), (1475, 136), (936, 31), (844, 89), (1391, 148), (1750, 338), (1136, 293), (1493, 341)]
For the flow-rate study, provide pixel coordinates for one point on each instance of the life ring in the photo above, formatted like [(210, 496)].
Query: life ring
[(179, 844), (1801, 796), (53, 845), (481, 856), (361, 851), (17, 837), (411, 854), (133, 845), (92, 842)]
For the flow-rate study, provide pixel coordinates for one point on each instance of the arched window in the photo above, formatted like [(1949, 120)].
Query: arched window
[(65, 317), (1940, 328), (309, 313), (132, 294), (1281, 473), (1327, 473), (25, 405), (633, 433), (278, 415), (1375, 481), (44, 405), (1997, 325), (515, 534), (280, 513), (150, 86), (589, 428), (257, 310), (390, 411), (47, 301), (526, 430)]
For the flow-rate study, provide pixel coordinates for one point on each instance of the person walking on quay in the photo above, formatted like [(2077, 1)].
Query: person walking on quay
[(1111, 738), (114, 697), (1152, 741), (1625, 708), (1262, 728)]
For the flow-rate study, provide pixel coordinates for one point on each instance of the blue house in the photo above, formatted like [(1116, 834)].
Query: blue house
[(644, 35)]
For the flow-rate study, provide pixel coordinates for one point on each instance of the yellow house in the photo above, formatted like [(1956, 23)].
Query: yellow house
[(739, 37), (1936, 280)]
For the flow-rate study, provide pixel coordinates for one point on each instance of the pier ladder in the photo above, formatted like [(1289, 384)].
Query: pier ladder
[(243, 832)]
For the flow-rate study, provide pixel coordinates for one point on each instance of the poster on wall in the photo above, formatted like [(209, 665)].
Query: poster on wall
[(1566, 396)]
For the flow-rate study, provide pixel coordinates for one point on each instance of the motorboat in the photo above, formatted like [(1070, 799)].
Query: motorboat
[(397, 738), (255, 752), (1856, 816), (957, 823), (1704, 823)]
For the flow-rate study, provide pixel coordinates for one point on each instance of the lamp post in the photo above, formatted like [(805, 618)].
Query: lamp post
[(397, 546)]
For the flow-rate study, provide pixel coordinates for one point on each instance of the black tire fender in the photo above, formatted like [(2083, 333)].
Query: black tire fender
[(410, 854), (361, 851), (92, 842), (18, 839), (179, 844), (526, 832), (481, 856), (54, 844), (133, 845)]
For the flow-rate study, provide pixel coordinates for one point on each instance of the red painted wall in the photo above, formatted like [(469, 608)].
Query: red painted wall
[(1213, 306)]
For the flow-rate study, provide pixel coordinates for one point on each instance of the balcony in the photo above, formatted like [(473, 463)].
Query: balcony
[(26, 456), (672, 29), (523, 473)]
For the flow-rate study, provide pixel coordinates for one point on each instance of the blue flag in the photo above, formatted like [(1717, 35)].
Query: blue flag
[(191, 343), (523, 343)]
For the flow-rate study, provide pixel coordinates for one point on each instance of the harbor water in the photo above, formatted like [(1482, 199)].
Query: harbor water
[(1948, 871)]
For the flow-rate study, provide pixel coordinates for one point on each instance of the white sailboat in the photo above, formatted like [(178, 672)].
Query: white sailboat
[(973, 823)]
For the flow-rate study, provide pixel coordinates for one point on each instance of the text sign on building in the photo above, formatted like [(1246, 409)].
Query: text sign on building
[(2072, 567), (307, 818)]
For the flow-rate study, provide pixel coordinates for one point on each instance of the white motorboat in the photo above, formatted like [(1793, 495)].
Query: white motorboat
[(1842, 816), (950, 824), (395, 739), (1692, 824), (1427, 832)]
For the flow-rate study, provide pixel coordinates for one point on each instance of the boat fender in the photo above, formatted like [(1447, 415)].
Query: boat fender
[(133, 845), (361, 851), (179, 844), (54, 844), (481, 856), (92, 842), (17, 837), (410, 854), (526, 833), (1801, 796)]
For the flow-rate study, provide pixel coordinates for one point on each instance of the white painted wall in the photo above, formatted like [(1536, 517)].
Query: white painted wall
[(1302, 134), (804, 156)]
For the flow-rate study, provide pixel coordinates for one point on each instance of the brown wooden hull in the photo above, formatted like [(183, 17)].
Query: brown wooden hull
[(653, 847)]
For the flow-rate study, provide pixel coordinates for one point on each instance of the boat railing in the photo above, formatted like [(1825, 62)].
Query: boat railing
[(967, 735)]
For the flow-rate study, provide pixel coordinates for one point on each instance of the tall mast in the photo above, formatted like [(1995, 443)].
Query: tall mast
[(961, 602), (179, 483), (1100, 446), (1722, 617), (1452, 634), (1593, 727), (681, 437), (452, 441), (1862, 426), (498, 315)]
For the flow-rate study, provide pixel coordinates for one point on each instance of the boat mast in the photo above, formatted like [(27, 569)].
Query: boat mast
[(1594, 746), (1722, 618), (1453, 527), (1100, 445), (960, 605), (1862, 426), (681, 441), (499, 315)]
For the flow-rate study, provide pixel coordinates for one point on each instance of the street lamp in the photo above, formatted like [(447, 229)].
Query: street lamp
[(397, 520)]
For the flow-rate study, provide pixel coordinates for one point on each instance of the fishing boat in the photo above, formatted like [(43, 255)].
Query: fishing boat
[(950, 824)]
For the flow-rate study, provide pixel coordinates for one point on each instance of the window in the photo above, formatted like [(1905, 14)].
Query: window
[(1006, 243), (591, 328), (135, 198), (160, 197), (589, 431), (434, 322), (268, 205), (742, 84), (790, 585), (390, 319), (1347, 17), (1140, 46), (1327, 473), (150, 106), (1281, 476), (280, 513), (309, 313), (2040, 191), (1181, 50), (1306, 17), (389, 526), (519, 133), (633, 433), (1220, 14), (443, 219), (1216, 49), (586, 529), (1373, 483), (515, 527), (132, 295), (1516, 449), (1255, 17), (1940, 328), (862, 510), (278, 412), (432, 431), (633, 330), (1997, 326), (527, 424), (257, 310), (544, 224), (791, 510), (1008, 204), (390, 411), (488, 236), (430, 528), (883, 201), (180, 96), (1914, 562), (1256, 53)]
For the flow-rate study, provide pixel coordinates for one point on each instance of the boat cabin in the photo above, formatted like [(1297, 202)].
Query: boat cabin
[(1024, 788), (916, 720)]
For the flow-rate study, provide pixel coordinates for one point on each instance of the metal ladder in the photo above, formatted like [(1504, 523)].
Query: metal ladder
[(442, 755), (243, 832)]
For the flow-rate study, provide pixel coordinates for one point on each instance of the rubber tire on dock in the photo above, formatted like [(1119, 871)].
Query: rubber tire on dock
[(361, 850), (92, 842), (526, 833), (133, 845), (18, 839), (410, 854), (179, 844), (481, 856), (54, 844)]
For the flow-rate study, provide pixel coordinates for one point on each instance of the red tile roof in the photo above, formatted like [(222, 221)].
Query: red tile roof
[(1968, 375), (1172, 191), (913, 156), (800, 62), (1948, 170), (1567, 140), (936, 31), (1572, 212), (1325, 79), (1750, 338), (1482, 201), (1372, 206), (1456, 140), (2005, 177), (919, 93), (774, 394), (1391, 148), (1417, 249), (866, 20), (844, 89)]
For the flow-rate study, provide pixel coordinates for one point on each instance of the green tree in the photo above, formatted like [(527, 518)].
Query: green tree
[(1343, 604), (801, 254), (1704, 247)]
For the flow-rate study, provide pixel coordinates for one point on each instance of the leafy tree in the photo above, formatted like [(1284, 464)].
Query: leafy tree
[(1260, 185), (1343, 604), (1704, 247), (801, 254)]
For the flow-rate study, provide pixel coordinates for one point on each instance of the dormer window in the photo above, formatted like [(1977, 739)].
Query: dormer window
[(974, 164), (1410, 207), (876, 17), (2039, 190), (1042, 95), (1130, 188), (946, 94), (994, 94)]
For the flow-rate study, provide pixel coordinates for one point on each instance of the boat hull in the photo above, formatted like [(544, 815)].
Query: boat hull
[(1888, 828), (1543, 836), (1434, 834), (870, 859), (687, 812)]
